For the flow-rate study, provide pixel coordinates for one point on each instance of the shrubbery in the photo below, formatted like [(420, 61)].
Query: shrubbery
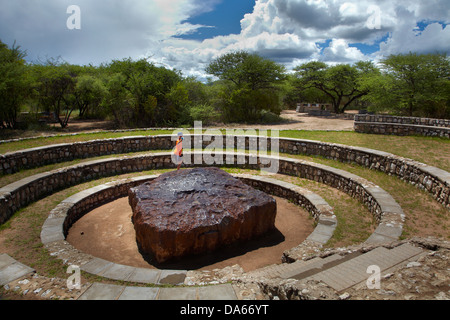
[(249, 89)]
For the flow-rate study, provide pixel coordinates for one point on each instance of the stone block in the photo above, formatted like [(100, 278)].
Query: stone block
[(197, 211)]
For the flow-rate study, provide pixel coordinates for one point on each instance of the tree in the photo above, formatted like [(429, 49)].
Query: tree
[(249, 70), (251, 85), (117, 99), (54, 86), (147, 88), (421, 82), (340, 83), (295, 94), (88, 93), (178, 104), (13, 84)]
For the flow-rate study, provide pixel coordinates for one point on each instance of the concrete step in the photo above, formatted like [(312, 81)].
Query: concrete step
[(316, 265), (354, 271), (341, 272), (298, 269), (11, 270), (280, 270)]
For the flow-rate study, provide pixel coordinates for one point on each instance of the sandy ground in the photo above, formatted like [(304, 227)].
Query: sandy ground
[(301, 121), (107, 232), (294, 121)]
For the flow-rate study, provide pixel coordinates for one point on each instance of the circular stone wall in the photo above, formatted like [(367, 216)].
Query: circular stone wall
[(67, 213)]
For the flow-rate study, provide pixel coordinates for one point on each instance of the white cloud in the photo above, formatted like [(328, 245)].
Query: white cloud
[(287, 31), (340, 52), (433, 39), (113, 29), (264, 18)]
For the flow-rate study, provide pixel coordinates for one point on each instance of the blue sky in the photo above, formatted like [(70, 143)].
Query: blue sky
[(368, 49), (225, 19), (188, 34)]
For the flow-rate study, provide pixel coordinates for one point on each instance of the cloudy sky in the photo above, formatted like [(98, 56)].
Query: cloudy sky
[(187, 34)]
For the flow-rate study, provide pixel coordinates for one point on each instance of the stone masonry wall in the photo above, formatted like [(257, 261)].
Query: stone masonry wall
[(402, 126), (403, 120), (431, 179), (434, 180)]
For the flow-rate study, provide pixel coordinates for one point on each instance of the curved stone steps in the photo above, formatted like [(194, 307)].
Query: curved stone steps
[(386, 231), (434, 180)]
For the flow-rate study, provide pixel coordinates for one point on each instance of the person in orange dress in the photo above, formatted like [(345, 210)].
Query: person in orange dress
[(179, 151)]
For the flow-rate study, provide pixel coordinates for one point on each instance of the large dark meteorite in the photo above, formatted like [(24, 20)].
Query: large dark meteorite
[(197, 210)]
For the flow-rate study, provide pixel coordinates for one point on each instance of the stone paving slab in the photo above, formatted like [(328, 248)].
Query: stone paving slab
[(311, 264), (322, 233), (52, 230), (11, 270), (96, 266), (101, 291), (5, 260), (143, 275), (118, 272), (138, 293), (182, 293)]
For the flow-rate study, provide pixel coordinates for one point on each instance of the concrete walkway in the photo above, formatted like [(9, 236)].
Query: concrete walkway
[(100, 291), (115, 271)]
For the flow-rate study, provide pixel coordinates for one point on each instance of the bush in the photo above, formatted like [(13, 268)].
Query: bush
[(205, 113), (270, 117)]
